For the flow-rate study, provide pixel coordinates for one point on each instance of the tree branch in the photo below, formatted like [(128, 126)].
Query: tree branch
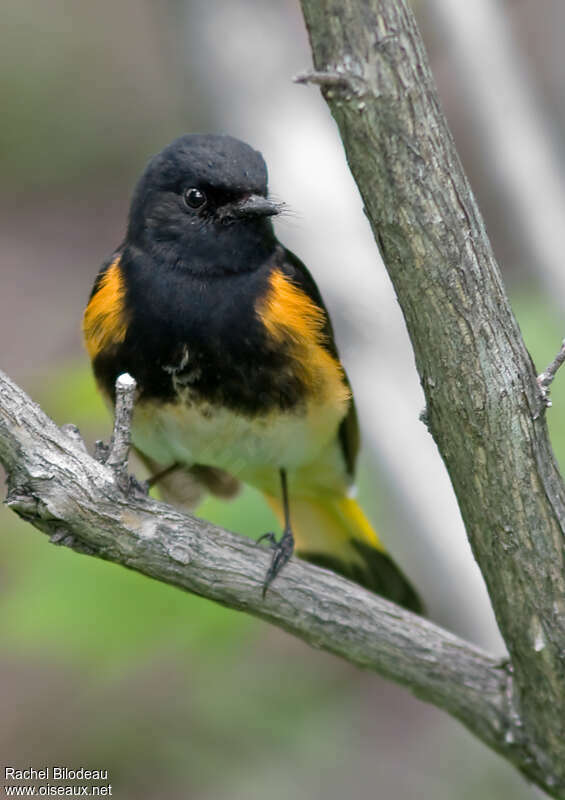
[(480, 385), (79, 502)]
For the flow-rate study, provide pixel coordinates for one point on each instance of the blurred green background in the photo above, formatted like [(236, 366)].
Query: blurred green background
[(101, 667)]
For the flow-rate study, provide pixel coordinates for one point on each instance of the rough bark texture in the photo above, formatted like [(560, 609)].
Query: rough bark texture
[(79, 502), (479, 381)]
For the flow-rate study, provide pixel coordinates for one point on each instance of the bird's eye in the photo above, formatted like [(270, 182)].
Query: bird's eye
[(194, 198)]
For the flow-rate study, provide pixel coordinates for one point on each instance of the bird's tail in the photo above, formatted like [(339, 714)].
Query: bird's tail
[(333, 532)]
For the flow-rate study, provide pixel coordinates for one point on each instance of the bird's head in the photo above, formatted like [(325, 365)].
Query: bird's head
[(202, 205)]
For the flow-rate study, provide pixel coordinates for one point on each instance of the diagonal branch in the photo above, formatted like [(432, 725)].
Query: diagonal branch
[(480, 385), (79, 502)]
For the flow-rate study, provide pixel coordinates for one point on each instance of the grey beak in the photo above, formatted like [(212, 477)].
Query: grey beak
[(252, 206)]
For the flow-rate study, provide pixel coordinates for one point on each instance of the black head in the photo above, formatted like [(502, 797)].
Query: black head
[(202, 205)]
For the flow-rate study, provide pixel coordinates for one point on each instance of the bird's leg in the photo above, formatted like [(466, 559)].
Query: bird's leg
[(158, 476), (283, 549)]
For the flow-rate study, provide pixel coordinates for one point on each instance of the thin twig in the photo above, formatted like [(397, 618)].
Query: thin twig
[(321, 78), (334, 80), (545, 379), (120, 442)]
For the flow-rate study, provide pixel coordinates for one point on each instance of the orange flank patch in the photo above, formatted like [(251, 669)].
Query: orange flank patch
[(104, 322), (290, 315)]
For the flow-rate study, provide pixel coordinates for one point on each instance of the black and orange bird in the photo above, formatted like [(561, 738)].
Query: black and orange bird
[(232, 349)]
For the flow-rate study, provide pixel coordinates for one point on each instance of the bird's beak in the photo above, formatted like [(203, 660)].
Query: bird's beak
[(254, 205)]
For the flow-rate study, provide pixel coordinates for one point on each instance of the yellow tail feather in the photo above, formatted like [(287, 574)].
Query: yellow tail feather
[(333, 532)]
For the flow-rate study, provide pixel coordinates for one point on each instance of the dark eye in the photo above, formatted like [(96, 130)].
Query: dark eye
[(194, 198)]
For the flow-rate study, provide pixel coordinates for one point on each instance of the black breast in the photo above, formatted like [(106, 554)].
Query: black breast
[(200, 338)]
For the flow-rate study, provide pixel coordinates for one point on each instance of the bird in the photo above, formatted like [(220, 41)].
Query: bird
[(232, 349)]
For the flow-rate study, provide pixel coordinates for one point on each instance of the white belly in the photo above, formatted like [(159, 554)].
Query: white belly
[(246, 447)]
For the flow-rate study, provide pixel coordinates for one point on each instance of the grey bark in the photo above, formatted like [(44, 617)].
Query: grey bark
[(118, 452), (483, 401)]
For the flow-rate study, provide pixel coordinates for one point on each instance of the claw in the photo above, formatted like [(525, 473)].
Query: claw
[(137, 488), (270, 537), (282, 552)]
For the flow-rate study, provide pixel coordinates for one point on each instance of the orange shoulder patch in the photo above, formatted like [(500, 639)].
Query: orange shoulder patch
[(290, 315), (104, 322), (288, 312)]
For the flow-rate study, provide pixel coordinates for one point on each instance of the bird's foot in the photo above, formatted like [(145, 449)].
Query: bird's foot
[(137, 488), (270, 537), (282, 551)]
